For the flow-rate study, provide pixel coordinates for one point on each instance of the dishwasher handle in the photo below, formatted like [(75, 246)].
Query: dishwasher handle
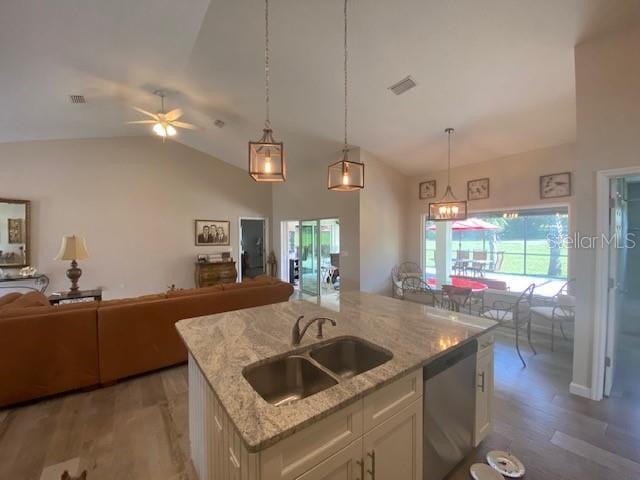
[(449, 359)]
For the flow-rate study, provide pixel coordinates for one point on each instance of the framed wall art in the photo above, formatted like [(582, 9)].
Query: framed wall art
[(478, 189), (555, 185), (427, 189), (212, 233)]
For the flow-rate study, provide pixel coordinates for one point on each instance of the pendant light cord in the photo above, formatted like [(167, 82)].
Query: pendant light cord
[(449, 159), (267, 59), (346, 105)]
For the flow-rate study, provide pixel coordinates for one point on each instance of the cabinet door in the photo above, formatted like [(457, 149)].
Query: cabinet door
[(393, 450), (484, 395), (344, 465)]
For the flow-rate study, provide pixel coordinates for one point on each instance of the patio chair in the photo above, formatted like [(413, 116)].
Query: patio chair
[(515, 312), (495, 265), (461, 262), (560, 308), (417, 290), (399, 273), (478, 263), (456, 298)]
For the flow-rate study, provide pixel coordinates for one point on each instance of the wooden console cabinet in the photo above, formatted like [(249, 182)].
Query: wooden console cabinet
[(208, 274)]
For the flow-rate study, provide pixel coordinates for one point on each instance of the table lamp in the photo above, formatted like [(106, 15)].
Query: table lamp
[(73, 248)]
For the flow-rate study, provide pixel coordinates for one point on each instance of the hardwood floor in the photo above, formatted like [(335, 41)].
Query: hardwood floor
[(137, 429), (558, 435)]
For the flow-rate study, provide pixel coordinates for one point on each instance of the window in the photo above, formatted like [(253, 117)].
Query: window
[(527, 242)]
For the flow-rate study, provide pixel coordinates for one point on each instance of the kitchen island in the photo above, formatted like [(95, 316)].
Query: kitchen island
[(237, 432)]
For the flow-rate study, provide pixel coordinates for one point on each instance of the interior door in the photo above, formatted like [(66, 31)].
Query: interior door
[(309, 262), (617, 260)]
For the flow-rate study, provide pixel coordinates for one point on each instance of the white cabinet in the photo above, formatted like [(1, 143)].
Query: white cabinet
[(484, 389), (376, 438), (393, 450), (344, 465)]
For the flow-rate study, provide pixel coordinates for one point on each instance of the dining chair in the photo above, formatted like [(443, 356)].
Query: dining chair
[(560, 308), (417, 290), (461, 262), (456, 298), (515, 312), (478, 262)]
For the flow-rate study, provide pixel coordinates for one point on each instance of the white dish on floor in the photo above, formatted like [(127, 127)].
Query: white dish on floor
[(482, 471), (506, 463)]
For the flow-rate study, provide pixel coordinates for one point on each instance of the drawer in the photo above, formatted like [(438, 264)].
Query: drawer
[(389, 400), (300, 452)]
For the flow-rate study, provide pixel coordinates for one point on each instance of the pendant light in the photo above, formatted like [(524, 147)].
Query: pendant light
[(266, 156), (345, 175), (449, 207)]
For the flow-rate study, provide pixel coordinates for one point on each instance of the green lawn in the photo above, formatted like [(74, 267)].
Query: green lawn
[(514, 258)]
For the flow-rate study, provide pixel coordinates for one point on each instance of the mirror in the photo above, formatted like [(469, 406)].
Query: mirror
[(14, 233)]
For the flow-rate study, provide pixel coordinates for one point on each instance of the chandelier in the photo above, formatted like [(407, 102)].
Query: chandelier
[(345, 175), (266, 156), (449, 207)]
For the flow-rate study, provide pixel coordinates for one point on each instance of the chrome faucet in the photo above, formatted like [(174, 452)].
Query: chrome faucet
[(296, 334)]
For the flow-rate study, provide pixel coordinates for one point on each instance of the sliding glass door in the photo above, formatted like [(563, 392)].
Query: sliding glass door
[(310, 254)]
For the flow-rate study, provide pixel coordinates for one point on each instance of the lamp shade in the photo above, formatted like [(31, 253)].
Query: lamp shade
[(72, 248)]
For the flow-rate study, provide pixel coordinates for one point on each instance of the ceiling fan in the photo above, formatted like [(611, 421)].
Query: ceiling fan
[(164, 124)]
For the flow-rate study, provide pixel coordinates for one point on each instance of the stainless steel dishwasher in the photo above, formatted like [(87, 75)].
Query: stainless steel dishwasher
[(449, 410)]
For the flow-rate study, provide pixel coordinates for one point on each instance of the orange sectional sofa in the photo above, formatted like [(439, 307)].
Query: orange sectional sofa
[(46, 349)]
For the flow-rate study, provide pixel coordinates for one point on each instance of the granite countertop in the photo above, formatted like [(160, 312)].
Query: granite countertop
[(225, 343)]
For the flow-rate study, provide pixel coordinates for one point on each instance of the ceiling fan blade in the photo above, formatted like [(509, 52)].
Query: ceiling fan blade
[(184, 125), (152, 115), (142, 121), (174, 114)]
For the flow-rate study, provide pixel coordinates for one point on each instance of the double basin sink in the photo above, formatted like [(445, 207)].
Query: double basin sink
[(295, 376)]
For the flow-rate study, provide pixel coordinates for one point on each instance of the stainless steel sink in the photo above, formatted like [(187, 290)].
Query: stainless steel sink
[(301, 375), (349, 357), (288, 379)]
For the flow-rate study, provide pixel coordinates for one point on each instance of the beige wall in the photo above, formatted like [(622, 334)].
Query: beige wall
[(382, 224), (514, 183), (134, 199), (608, 116)]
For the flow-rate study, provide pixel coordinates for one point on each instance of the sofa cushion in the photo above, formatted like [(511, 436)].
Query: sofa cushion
[(28, 300), (142, 298), (194, 291), (9, 297)]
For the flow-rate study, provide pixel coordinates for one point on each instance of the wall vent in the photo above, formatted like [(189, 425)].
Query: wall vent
[(403, 85), (77, 99)]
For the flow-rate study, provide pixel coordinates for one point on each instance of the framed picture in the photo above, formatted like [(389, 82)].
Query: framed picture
[(427, 189), (212, 233), (478, 189), (15, 230), (555, 185)]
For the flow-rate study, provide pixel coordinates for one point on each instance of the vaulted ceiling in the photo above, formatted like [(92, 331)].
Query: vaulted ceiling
[(500, 71)]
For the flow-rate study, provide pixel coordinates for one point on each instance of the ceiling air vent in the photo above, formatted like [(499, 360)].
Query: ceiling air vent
[(403, 85), (219, 123), (77, 99)]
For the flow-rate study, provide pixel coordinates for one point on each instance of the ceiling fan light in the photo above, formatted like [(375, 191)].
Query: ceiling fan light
[(171, 131), (159, 130)]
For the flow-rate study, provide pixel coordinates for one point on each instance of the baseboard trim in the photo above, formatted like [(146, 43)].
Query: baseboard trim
[(580, 390)]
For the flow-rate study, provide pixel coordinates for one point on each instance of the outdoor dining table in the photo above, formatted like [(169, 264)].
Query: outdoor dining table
[(476, 287)]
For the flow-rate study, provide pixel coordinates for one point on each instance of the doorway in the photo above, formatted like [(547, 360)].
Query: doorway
[(617, 335), (253, 248), (310, 256)]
